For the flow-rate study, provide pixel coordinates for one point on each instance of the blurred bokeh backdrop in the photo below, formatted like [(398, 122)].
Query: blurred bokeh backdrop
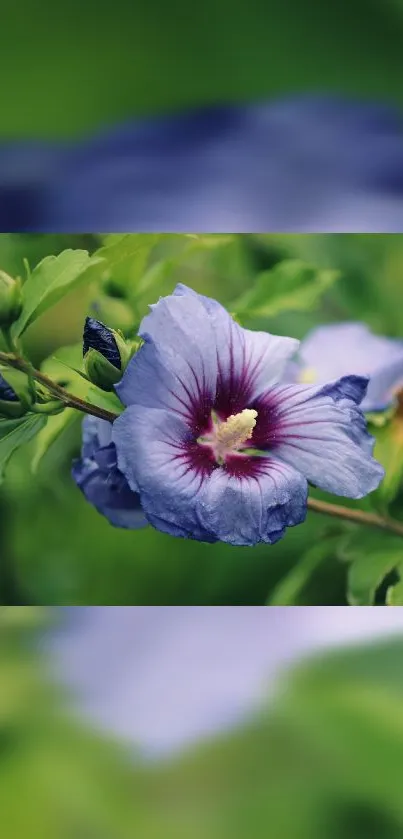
[(88, 74), (56, 549), (74, 69), (288, 743)]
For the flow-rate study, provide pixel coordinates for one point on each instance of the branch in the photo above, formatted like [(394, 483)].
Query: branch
[(356, 516), (69, 399)]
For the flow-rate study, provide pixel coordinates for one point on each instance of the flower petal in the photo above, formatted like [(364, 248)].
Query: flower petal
[(207, 503), (159, 379), (251, 508), (122, 509), (152, 451), (197, 356), (383, 386), (96, 434), (98, 477), (178, 357), (321, 432), (248, 361), (351, 348)]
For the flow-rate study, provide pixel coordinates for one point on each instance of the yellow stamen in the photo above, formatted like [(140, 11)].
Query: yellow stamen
[(237, 429)]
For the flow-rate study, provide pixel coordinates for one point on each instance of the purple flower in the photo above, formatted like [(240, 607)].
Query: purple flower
[(215, 447), (351, 348), (309, 163), (99, 478)]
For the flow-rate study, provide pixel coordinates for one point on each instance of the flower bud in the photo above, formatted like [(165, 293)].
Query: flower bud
[(16, 397), (100, 371), (10, 300), (106, 354)]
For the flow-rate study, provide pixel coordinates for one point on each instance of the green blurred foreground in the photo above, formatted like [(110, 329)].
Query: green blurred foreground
[(84, 65), (56, 549), (324, 760)]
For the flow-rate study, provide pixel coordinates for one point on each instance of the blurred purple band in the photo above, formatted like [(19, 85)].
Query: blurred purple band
[(306, 164), (163, 677)]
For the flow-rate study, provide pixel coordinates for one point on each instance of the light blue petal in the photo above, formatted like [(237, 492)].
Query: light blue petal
[(321, 432), (148, 444), (195, 351), (258, 358), (209, 506), (125, 519), (97, 476), (180, 344), (175, 530), (252, 509), (383, 386), (150, 383), (121, 511), (93, 429), (351, 348)]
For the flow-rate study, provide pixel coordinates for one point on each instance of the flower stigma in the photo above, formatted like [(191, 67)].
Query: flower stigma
[(229, 435)]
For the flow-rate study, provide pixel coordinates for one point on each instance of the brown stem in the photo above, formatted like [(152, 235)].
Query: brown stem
[(356, 516), (69, 399)]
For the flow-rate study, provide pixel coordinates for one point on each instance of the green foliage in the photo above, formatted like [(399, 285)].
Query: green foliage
[(146, 266), (50, 280), (10, 299), (394, 594), (349, 705), (290, 587), (64, 368), (292, 284), (49, 435), (14, 433), (371, 558), (389, 451), (126, 256), (129, 67)]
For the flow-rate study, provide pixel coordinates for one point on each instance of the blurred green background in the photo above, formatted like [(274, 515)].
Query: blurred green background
[(55, 549), (70, 69), (323, 759)]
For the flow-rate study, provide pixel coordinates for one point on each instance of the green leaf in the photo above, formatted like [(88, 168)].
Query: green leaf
[(155, 277), (372, 557), (54, 428), (290, 587), (126, 255), (209, 241), (51, 279), (290, 285), (14, 433), (394, 595), (349, 704), (389, 451), (131, 260), (64, 368), (104, 399)]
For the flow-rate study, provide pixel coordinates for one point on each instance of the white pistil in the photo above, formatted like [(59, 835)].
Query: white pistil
[(236, 430), (228, 436)]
